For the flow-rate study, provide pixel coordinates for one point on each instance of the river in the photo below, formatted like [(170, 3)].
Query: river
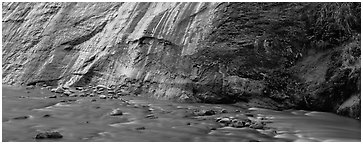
[(28, 112)]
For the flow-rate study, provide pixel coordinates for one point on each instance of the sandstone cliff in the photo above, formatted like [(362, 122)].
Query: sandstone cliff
[(82, 43), (190, 52)]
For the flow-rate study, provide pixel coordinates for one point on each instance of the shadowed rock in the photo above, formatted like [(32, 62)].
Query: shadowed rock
[(21, 118), (116, 112), (48, 135)]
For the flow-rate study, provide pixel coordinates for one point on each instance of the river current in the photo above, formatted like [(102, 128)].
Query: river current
[(28, 112)]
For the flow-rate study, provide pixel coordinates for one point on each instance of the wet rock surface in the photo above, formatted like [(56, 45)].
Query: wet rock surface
[(116, 112), (21, 118), (48, 135)]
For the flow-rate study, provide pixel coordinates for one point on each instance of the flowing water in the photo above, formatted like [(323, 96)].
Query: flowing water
[(28, 112)]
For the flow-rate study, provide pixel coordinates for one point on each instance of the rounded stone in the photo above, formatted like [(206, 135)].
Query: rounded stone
[(116, 112), (102, 96), (48, 135)]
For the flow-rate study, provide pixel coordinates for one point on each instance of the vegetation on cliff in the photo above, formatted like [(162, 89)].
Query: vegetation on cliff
[(274, 43)]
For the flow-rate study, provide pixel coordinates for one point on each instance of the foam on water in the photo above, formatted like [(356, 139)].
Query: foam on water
[(53, 107), (123, 124)]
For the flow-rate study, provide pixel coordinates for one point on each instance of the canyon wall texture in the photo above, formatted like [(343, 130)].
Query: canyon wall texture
[(104, 43), (188, 52)]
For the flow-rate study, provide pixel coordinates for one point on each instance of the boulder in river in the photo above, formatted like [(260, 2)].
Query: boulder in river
[(65, 87), (79, 88), (82, 94), (209, 112), (224, 111), (57, 90), (21, 118), (249, 115), (151, 116), (204, 112), (67, 92), (116, 112), (103, 97), (140, 128), (101, 87), (73, 90), (73, 95), (111, 92), (224, 120), (238, 124), (48, 135), (257, 125), (53, 96), (30, 87), (46, 115)]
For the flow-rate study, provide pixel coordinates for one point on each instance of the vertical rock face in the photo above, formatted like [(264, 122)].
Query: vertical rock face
[(82, 43)]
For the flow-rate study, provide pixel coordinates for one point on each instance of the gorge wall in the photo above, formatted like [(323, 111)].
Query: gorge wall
[(189, 52)]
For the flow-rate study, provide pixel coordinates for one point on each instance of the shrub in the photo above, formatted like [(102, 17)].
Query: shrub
[(330, 24)]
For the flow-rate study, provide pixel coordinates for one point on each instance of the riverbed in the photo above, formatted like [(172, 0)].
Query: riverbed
[(27, 112)]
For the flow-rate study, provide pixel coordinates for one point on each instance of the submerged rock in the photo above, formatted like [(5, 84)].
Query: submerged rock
[(48, 135), (101, 87), (54, 96), (111, 92), (204, 112), (67, 92), (249, 115), (151, 116), (209, 112), (256, 126), (234, 122), (79, 88), (73, 95), (224, 120), (224, 111), (238, 124), (21, 118), (140, 128), (57, 90), (116, 112), (30, 87), (102, 96), (82, 94), (46, 115)]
